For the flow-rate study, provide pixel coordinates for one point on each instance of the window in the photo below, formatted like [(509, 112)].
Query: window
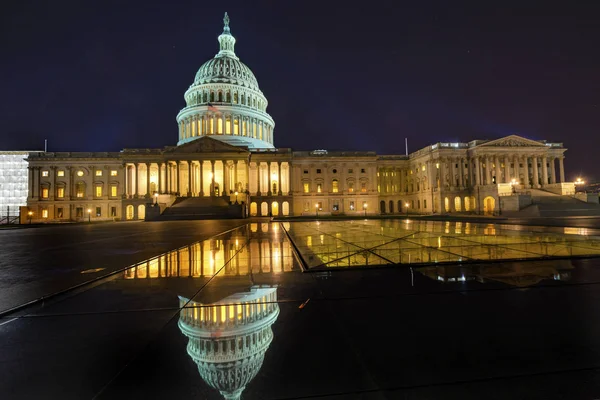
[(334, 186), (350, 187), (113, 190), (351, 206), (79, 212), (44, 213), (44, 173), (60, 192), (419, 204), (113, 211), (424, 203), (45, 193), (362, 170), (79, 173), (98, 172), (319, 206), (334, 171), (98, 211), (318, 170), (80, 189), (306, 187), (98, 191), (60, 173), (305, 171), (350, 171), (59, 212), (363, 187), (423, 168), (336, 206), (319, 187)]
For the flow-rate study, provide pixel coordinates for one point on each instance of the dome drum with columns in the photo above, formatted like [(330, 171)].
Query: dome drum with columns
[(226, 102)]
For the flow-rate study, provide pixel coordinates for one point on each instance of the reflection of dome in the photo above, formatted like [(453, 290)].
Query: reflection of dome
[(228, 339), (225, 102)]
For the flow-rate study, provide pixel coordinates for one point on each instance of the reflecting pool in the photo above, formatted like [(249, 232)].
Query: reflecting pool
[(328, 244)]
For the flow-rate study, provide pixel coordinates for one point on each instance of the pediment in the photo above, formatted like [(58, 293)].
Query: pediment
[(512, 141), (206, 145)]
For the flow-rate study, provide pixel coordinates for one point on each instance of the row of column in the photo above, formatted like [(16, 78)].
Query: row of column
[(224, 124), (485, 166)]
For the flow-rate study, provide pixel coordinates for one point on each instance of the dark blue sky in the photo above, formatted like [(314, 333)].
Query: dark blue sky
[(102, 75)]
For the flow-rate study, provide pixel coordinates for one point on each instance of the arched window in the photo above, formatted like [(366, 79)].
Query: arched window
[(457, 204), (467, 203), (253, 209), (129, 212), (80, 189), (228, 97), (243, 99), (212, 97), (447, 204), (220, 96), (285, 208), (275, 208), (399, 205), (382, 207), (264, 209), (141, 211), (334, 186), (235, 98)]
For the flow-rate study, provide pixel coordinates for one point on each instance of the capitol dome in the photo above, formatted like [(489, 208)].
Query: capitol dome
[(225, 102)]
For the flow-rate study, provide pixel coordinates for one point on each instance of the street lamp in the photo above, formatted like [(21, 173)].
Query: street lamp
[(365, 208), (89, 210), (236, 194), (406, 206), (317, 209), (155, 198), (30, 215)]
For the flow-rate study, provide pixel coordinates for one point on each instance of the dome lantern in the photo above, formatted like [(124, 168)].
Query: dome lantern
[(226, 41)]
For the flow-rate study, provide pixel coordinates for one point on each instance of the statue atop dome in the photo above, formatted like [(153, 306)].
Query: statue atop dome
[(226, 21)]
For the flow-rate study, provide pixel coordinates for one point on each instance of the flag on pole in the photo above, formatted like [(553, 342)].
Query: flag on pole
[(213, 109)]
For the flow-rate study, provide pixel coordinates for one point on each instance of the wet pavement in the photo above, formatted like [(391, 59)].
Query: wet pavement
[(235, 317)]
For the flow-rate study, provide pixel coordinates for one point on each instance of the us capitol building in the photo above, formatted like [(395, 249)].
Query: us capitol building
[(225, 155)]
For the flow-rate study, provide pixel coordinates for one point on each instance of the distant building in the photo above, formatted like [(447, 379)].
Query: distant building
[(226, 149)]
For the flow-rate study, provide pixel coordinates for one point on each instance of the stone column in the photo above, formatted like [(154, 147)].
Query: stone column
[(160, 182), (461, 172), (552, 170), (477, 177), (506, 170), (536, 179), (178, 177), (526, 167), (212, 179), (497, 168), (488, 170), (258, 178), (269, 179), (561, 166), (235, 175), (516, 161), (167, 177), (442, 173), (148, 180), (544, 170), (189, 190), (201, 178), (136, 181), (226, 183), (279, 180)]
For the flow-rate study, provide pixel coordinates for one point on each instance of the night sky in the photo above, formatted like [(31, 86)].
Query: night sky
[(102, 75)]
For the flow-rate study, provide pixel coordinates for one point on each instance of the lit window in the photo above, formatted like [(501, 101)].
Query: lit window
[(98, 211), (113, 172), (98, 172), (351, 206), (45, 193), (113, 190), (44, 213), (98, 191), (319, 187), (437, 165), (80, 189), (59, 212), (44, 173), (334, 186), (79, 173), (363, 187), (60, 192), (423, 168), (351, 187), (306, 187), (60, 173)]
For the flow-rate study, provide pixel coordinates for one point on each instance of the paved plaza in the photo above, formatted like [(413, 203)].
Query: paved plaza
[(233, 315)]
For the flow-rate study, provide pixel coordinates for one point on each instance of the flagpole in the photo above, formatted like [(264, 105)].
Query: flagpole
[(406, 145), (45, 145)]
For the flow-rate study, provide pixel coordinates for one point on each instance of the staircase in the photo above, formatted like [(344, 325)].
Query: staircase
[(188, 208), (547, 204)]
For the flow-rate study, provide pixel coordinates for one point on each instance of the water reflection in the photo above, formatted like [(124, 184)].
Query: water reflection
[(513, 274), (256, 248), (379, 242), (228, 338)]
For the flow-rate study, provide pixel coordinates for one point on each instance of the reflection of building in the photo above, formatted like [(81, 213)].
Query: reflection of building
[(243, 255), (228, 339), (513, 274), (225, 145)]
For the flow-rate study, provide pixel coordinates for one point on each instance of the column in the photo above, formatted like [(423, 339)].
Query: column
[(461, 171), (517, 173), (189, 190), (279, 179), (536, 180), (552, 170), (258, 178), (226, 183), (148, 180), (477, 177), (235, 175), (561, 166), (127, 180), (506, 170), (269, 179), (136, 181), (544, 170), (497, 168), (212, 179), (177, 177), (160, 167), (167, 177), (526, 167), (201, 178), (488, 170)]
